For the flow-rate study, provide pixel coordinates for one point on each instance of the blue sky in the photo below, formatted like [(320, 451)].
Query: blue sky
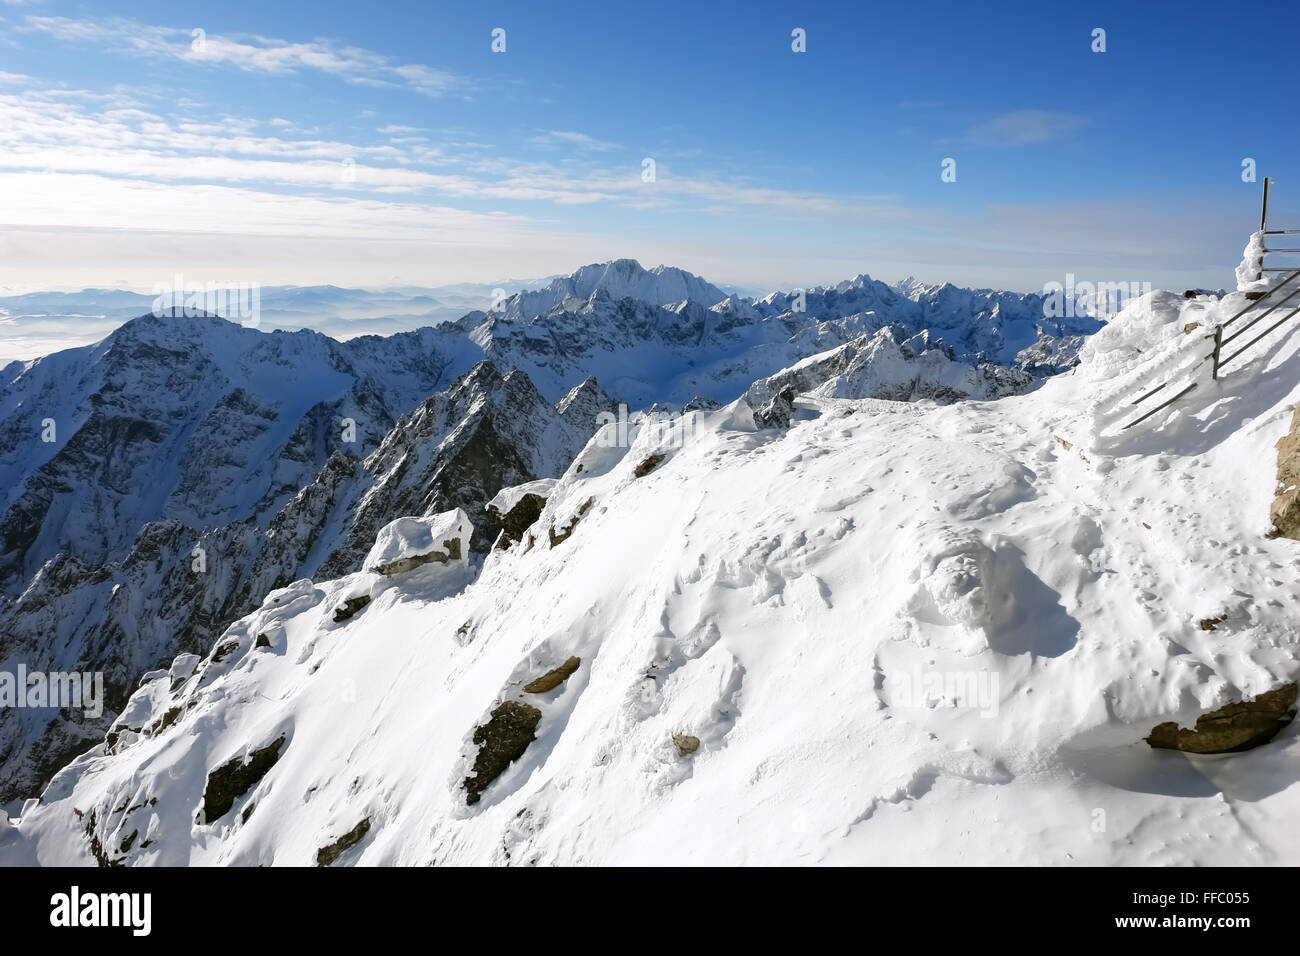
[(386, 143)]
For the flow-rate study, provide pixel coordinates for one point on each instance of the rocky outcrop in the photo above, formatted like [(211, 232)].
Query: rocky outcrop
[(349, 608), (685, 744), (553, 678), (501, 741), (326, 855), (1285, 511), (236, 777), (886, 364), (518, 519), (1232, 728), (409, 543), (648, 465)]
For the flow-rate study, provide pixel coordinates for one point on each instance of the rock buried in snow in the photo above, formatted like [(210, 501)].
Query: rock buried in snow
[(649, 465), (552, 679), (559, 537), (407, 543), (1232, 728), (343, 611), (328, 854), (686, 744), (502, 740), (236, 777)]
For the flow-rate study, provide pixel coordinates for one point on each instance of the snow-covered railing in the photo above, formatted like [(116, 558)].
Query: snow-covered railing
[(1216, 358), (1265, 231)]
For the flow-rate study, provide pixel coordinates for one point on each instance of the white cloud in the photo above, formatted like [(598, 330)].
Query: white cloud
[(555, 138), (1025, 127), (254, 54)]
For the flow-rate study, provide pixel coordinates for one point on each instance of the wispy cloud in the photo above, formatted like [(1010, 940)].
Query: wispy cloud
[(70, 131), (1025, 127), (253, 54), (556, 138)]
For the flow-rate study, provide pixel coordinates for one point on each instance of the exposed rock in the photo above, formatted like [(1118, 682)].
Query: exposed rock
[(408, 543), (1211, 623), (778, 412), (1191, 327), (502, 740), (1285, 511), (686, 744), (1232, 728), (328, 854), (350, 607), (554, 678), (558, 537), (649, 465), (236, 777), (514, 510)]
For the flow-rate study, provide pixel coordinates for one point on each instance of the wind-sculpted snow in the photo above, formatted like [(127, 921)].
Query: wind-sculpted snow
[(891, 632)]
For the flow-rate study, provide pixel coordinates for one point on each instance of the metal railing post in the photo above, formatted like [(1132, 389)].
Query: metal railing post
[(1263, 223), (1214, 356)]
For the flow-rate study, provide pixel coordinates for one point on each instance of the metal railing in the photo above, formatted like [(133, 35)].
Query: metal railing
[(1263, 227), (1216, 357)]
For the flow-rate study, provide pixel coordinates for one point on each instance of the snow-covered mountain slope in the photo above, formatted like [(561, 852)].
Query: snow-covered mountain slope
[(891, 632), (123, 617), (194, 419), (183, 433)]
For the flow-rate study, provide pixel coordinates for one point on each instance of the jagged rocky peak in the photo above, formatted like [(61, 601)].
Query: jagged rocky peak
[(613, 281)]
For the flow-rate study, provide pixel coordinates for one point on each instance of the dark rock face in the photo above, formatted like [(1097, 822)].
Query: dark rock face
[(350, 607), (778, 412), (1285, 510), (502, 740), (559, 537), (235, 778), (1232, 728), (519, 519), (649, 465), (553, 678), (328, 854)]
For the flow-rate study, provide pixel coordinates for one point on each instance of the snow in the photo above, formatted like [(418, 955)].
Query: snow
[(407, 540), (1248, 271), (507, 498), (903, 633)]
